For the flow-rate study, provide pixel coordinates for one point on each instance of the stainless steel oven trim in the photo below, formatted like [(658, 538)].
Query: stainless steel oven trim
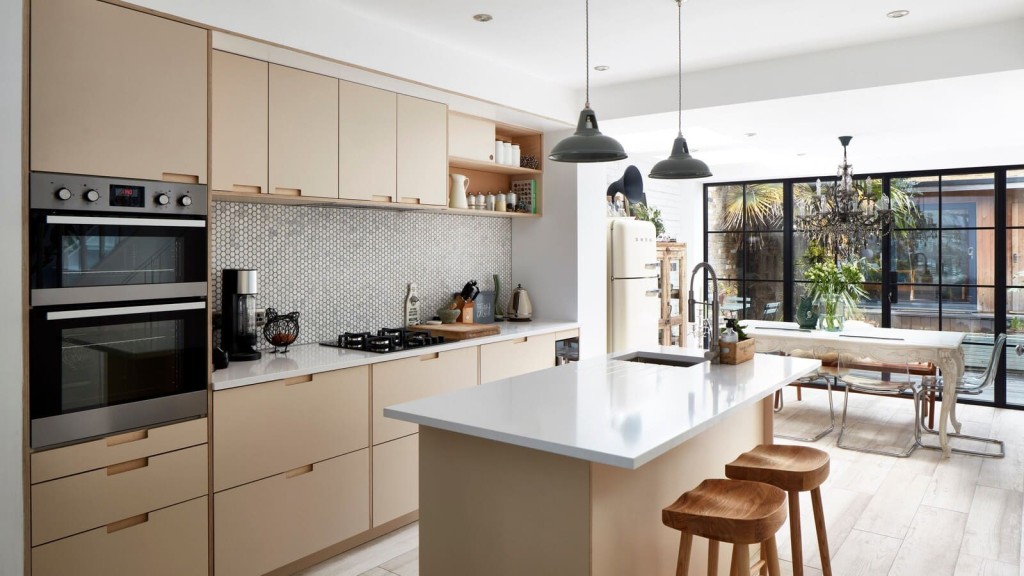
[(112, 221), (107, 420), (123, 311), (120, 293)]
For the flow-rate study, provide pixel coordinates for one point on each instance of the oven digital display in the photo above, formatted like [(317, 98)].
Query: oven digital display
[(127, 196)]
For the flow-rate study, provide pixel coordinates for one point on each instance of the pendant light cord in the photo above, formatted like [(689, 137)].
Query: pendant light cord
[(587, 42), (679, 7)]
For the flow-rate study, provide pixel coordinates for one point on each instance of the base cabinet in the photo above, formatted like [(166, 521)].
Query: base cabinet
[(167, 542), (266, 524), (396, 478), (514, 357)]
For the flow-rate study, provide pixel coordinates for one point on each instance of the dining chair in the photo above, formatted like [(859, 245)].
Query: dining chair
[(971, 386), (827, 374), (888, 378), (770, 311)]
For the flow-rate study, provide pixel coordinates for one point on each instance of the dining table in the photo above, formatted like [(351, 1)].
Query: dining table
[(944, 349)]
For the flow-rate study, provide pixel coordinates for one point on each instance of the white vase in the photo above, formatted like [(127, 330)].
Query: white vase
[(457, 195)]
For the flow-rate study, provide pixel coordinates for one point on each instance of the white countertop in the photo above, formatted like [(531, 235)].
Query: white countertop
[(603, 410), (312, 358)]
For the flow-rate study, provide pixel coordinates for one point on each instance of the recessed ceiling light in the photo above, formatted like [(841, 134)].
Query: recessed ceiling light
[(601, 68), (483, 17), (751, 134), (898, 13), (801, 153)]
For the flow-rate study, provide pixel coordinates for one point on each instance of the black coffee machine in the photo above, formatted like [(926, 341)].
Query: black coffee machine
[(238, 313)]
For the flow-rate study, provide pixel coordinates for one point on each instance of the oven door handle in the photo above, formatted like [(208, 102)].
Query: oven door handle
[(103, 221), (124, 310)]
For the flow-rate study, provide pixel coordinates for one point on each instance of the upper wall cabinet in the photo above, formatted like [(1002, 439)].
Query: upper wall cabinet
[(303, 133), (367, 138), (422, 151), (116, 92), (470, 137), (239, 128)]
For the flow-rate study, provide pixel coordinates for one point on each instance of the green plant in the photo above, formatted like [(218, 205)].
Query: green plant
[(836, 282), (650, 214)]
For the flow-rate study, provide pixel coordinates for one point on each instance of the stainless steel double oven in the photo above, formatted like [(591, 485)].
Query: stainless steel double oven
[(118, 319)]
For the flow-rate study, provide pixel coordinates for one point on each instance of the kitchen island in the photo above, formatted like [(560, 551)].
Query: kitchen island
[(565, 471)]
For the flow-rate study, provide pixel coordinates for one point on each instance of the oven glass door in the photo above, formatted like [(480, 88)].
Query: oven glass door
[(115, 258), (96, 359)]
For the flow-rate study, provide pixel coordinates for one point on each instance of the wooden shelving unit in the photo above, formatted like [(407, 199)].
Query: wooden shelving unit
[(669, 254)]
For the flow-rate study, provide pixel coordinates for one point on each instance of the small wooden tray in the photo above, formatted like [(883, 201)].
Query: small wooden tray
[(459, 331)]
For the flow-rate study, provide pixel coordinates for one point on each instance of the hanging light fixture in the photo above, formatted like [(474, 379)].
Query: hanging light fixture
[(587, 144), (680, 165)]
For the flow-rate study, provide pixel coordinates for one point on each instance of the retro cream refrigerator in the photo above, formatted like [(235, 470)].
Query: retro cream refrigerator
[(633, 297)]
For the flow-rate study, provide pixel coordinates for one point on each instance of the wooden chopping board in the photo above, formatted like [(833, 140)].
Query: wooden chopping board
[(459, 331)]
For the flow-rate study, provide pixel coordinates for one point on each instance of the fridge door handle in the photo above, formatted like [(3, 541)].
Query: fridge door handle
[(652, 266), (655, 292)]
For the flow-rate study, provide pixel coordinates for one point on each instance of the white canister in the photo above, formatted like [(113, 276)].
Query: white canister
[(489, 202), (499, 202), (515, 155), (508, 152), (499, 152), (510, 201)]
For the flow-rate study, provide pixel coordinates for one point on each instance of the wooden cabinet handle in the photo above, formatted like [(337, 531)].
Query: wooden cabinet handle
[(129, 437), (127, 523), (183, 178), (433, 356), (127, 466), (376, 198), (298, 380), (522, 340), (288, 191), (246, 188), (298, 471), (409, 200)]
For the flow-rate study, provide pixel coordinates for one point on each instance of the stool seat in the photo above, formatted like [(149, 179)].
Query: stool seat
[(734, 511), (791, 468)]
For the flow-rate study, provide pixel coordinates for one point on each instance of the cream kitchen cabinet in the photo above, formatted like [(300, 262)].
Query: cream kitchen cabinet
[(239, 101), (303, 133), (517, 356), (116, 92), (396, 484), (270, 428), (267, 524), (422, 151), (368, 142), (470, 137)]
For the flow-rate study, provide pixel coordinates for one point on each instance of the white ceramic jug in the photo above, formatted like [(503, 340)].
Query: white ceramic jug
[(457, 196)]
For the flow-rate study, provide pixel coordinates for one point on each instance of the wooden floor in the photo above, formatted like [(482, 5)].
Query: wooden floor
[(919, 516)]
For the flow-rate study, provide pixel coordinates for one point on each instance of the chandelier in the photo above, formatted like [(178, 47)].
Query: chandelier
[(844, 217)]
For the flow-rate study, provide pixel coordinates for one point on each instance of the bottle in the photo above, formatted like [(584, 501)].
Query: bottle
[(412, 306)]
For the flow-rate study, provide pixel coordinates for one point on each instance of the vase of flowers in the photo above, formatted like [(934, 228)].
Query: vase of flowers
[(836, 288)]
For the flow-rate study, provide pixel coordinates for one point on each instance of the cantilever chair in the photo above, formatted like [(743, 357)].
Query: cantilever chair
[(880, 378), (827, 374), (972, 386)]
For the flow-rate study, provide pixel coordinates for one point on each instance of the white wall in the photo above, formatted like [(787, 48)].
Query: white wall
[(11, 511)]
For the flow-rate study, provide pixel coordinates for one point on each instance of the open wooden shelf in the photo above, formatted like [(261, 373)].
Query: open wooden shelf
[(469, 164), (224, 196)]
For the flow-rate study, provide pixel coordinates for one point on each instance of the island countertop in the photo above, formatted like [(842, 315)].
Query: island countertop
[(606, 410)]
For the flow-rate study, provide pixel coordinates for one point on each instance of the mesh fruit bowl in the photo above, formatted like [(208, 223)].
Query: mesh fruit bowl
[(281, 330)]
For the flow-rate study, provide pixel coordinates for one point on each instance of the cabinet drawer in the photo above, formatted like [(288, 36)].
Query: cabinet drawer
[(85, 501), (396, 478), (61, 462), (514, 357), (266, 524), (266, 429), (168, 542), (418, 377)]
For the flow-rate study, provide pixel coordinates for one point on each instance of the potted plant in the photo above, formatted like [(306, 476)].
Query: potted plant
[(835, 287)]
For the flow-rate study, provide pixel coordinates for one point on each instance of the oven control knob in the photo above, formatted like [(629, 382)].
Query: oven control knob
[(186, 200), (92, 195), (63, 194), (163, 199)]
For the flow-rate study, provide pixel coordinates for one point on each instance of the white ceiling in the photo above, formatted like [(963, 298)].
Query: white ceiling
[(637, 38)]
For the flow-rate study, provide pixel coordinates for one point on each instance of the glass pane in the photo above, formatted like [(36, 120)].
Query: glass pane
[(972, 315), (1015, 256), (968, 200), (1014, 371), (763, 206), (977, 355), (725, 252), (917, 308), (870, 307), (915, 201), (1015, 310), (764, 256), (1015, 198), (803, 201), (725, 208), (765, 300), (914, 257), (968, 257)]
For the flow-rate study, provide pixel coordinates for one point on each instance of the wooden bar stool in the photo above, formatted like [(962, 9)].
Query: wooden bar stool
[(794, 469), (734, 511)]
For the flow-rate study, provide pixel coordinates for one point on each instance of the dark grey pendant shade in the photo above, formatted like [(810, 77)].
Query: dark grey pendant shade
[(680, 165), (587, 144)]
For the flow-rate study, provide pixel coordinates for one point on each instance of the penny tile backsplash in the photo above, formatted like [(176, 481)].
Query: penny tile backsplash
[(348, 268)]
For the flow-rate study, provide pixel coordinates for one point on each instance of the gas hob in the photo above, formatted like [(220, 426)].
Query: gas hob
[(384, 340)]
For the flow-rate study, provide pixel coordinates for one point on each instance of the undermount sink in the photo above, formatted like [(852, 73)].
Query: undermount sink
[(662, 359)]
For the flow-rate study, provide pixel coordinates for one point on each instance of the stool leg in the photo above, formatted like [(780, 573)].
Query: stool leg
[(740, 560), (771, 556), (683, 562), (794, 534), (819, 527), (764, 556), (712, 557)]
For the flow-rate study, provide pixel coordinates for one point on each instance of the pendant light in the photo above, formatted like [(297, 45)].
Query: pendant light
[(587, 144), (680, 165)]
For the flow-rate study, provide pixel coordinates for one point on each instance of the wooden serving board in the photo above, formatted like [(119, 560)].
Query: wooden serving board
[(459, 331)]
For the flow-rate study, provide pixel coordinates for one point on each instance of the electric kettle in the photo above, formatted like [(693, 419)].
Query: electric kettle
[(519, 308)]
